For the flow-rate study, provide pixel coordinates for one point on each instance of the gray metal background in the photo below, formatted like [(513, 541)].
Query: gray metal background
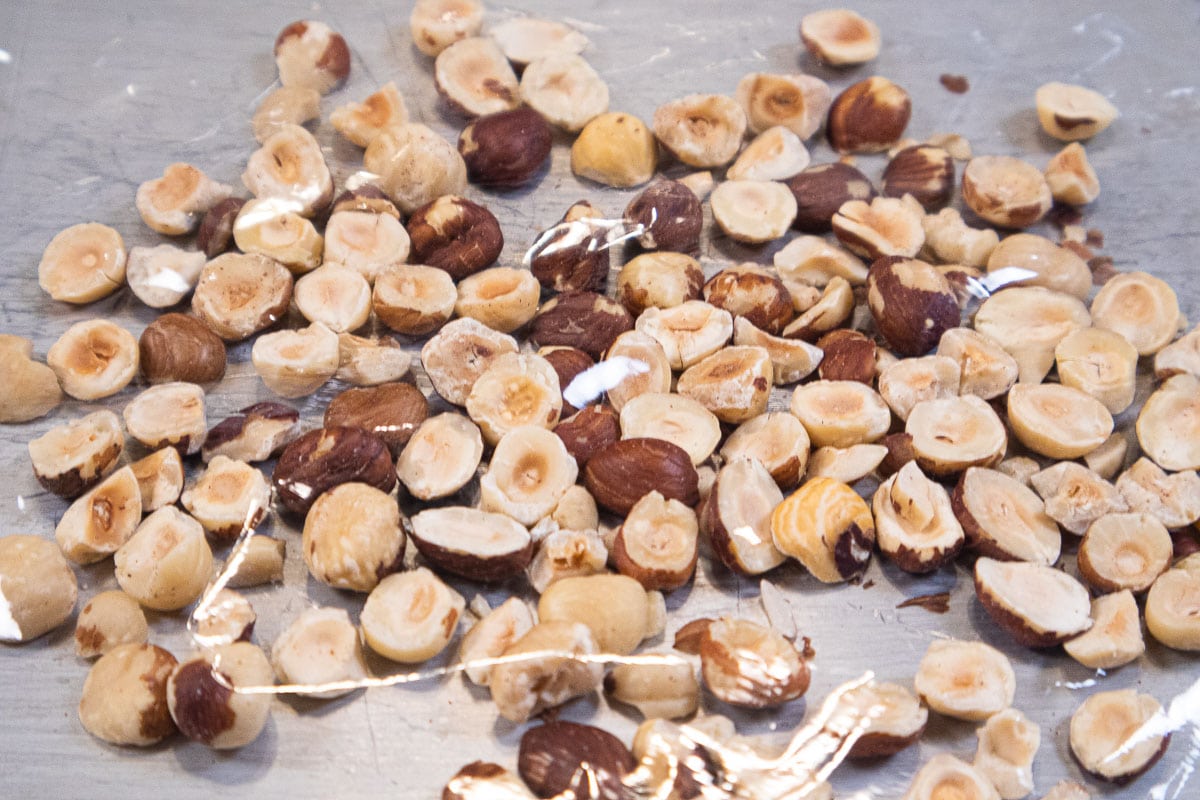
[(97, 97)]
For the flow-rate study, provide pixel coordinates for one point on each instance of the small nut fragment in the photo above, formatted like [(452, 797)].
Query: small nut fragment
[(124, 698), (473, 543), (410, 616), (846, 464), (588, 432), (944, 773), (506, 148), (822, 189), (791, 359), (203, 698), (913, 380), (840, 37), (1056, 420), (777, 440), (1039, 606), (657, 691), (365, 241), (327, 457), (529, 472), (625, 471), (1173, 499), (162, 276), (352, 537), (337, 297), (370, 361), (951, 241), (657, 543), (736, 517), (109, 619), (532, 682), (1115, 638), (701, 130), (175, 203), (733, 383), (491, 636), (239, 295), (1076, 497), (311, 54), (567, 553), (415, 166), (99, 522), (475, 77), (951, 434), (179, 347), (840, 413), (460, 352), (37, 587), (290, 167), (1071, 113), (812, 261), (1029, 322), (868, 117), (287, 105), (503, 298), (159, 477), (319, 647), (271, 227), (382, 110), (1071, 178), (1005, 191), (911, 302), (753, 212), (223, 618), (796, 102), (1110, 735), (924, 171), (1140, 307), (441, 457), (751, 666), (565, 90), (167, 562), (228, 498), (1109, 458), (886, 226), (257, 561), (94, 359), (1168, 426), (774, 155), (28, 389), (965, 680), (1182, 355), (437, 24), (915, 522), (295, 363), (70, 458), (414, 299), (615, 149), (1124, 552), (827, 527), (83, 263)]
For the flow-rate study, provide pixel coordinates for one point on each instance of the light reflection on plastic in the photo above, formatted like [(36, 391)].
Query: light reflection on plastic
[(985, 287), (589, 385), (5, 57), (604, 233)]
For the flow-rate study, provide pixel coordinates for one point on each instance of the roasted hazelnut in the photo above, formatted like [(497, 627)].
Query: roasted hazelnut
[(589, 431), (1071, 113), (239, 295), (701, 130), (179, 347), (69, 458), (586, 320), (290, 169), (751, 292), (108, 620), (625, 471), (475, 77), (924, 171), (669, 216), (912, 304), (884, 227), (441, 457), (753, 212), (313, 55), (565, 90), (503, 298), (455, 234), (848, 356), (460, 352), (327, 457), (505, 149), (868, 117), (253, 434), (659, 280), (615, 149), (797, 102), (167, 562), (93, 359), (415, 166), (568, 362), (203, 698), (37, 587), (381, 111), (173, 204), (414, 299), (560, 757), (391, 411), (1006, 191), (287, 105), (28, 389), (573, 255), (83, 263), (352, 537), (473, 543), (168, 414), (124, 698), (773, 155), (822, 189)]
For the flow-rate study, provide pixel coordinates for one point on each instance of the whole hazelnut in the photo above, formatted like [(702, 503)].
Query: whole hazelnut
[(615, 149), (216, 229), (586, 320), (178, 347), (391, 411), (670, 217), (505, 149), (750, 291), (821, 190), (868, 117), (455, 234), (311, 54), (659, 280), (568, 362), (327, 457), (574, 254), (924, 171), (912, 303)]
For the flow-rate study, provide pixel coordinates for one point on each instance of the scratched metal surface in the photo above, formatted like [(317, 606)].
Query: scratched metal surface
[(96, 97)]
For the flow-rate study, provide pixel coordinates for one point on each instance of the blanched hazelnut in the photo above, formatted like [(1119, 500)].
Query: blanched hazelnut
[(367, 242), (475, 77), (175, 203), (565, 90), (167, 562), (415, 166), (414, 299), (83, 263), (287, 105), (311, 54), (515, 390), (369, 361), (701, 130), (797, 102), (37, 587), (94, 359), (108, 620), (320, 646), (775, 154), (239, 295), (162, 276), (381, 111), (411, 616), (257, 560), (352, 537), (228, 498), (159, 477), (203, 696), (290, 167), (615, 149), (437, 24), (223, 618), (124, 699)]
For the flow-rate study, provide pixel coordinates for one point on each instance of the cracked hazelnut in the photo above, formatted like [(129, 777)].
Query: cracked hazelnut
[(1005, 191)]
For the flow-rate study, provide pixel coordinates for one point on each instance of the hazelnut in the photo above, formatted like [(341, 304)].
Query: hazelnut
[(203, 698), (775, 154), (736, 517), (229, 497), (83, 263), (777, 440), (734, 383), (94, 359), (366, 197), (368, 361), (223, 618), (701, 130), (475, 77), (687, 332), (167, 562), (460, 352), (751, 292), (381, 111), (884, 227), (840, 37), (868, 117), (950, 434), (255, 433), (287, 105), (841, 413), (365, 241), (28, 389), (912, 304), (1005, 191), (915, 522), (505, 149), (179, 347), (70, 458), (568, 363), (162, 276), (239, 295), (567, 553), (473, 543), (108, 620), (441, 457), (565, 90), (456, 235), (625, 471), (312, 55), (588, 321), (813, 262), (174, 204), (1142, 308), (411, 616), (37, 587), (124, 698), (391, 411), (574, 254), (352, 537), (413, 299), (797, 102), (561, 757), (327, 457), (615, 149), (159, 477), (337, 297), (1071, 178), (415, 166), (437, 24), (676, 418), (827, 527), (1071, 113), (924, 171), (748, 665), (271, 227), (669, 217), (503, 298), (515, 390), (532, 681), (290, 168), (1037, 605), (318, 647), (847, 356), (528, 39), (753, 212), (296, 363), (822, 189), (168, 414), (832, 310), (644, 368), (588, 431), (659, 280)]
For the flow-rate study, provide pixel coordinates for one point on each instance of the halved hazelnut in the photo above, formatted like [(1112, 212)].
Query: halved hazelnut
[(162, 276), (1071, 113), (676, 418), (944, 775), (812, 260), (366, 242), (475, 77), (845, 464), (369, 361), (168, 414), (886, 226), (656, 545), (1029, 322), (949, 240), (72, 457), (159, 477), (953, 433), (1005, 191), (688, 332), (1173, 607), (965, 680), (913, 380), (777, 440), (287, 105), (437, 24), (271, 227), (414, 299), (478, 545), (645, 368), (503, 298), (239, 295), (914, 521), (441, 457), (361, 122), (83, 263), (774, 155), (840, 37), (841, 413), (659, 280), (868, 117), (256, 561), (1101, 364), (1109, 458), (460, 352), (290, 167), (103, 519), (895, 719), (733, 383), (615, 149), (228, 498), (318, 647), (1182, 355), (1071, 178), (1037, 605), (223, 618), (255, 433), (352, 537), (94, 359), (753, 212), (513, 391), (529, 472), (337, 297), (736, 517), (751, 666), (791, 359), (312, 54), (1124, 552), (1111, 735), (1168, 426), (1057, 268), (827, 527), (1115, 638), (701, 130), (1140, 307), (491, 636), (415, 166), (565, 90), (527, 39), (1056, 420), (296, 363), (174, 204), (1004, 518), (796, 102)]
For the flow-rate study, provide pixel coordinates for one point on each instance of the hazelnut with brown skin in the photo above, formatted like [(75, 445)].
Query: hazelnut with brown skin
[(586, 320), (179, 347), (391, 411), (868, 117), (924, 171), (912, 303), (573, 255), (327, 457), (216, 229), (588, 432), (505, 149), (568, 362), (754, 293), (670, 217), (455, 234), (625, 471), (310, 53), (822, 189)]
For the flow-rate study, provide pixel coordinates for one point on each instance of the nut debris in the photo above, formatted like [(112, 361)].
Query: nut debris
[(965, 680), (951, 241), (255, 433), (1071, 177), (1173, 499), (28, 389), (567, 553), (528, 39)]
